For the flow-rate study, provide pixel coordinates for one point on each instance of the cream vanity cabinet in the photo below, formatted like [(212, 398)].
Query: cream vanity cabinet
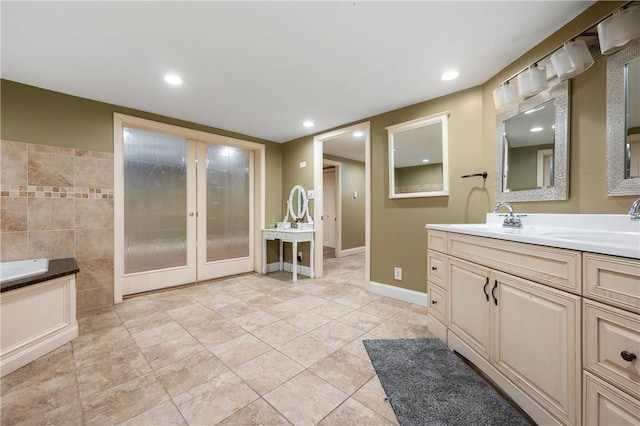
[(523, 334)]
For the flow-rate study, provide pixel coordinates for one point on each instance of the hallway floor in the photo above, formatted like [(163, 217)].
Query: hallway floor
[(245, 350)]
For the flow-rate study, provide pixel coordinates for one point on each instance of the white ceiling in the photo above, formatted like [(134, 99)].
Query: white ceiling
[(262, 68)]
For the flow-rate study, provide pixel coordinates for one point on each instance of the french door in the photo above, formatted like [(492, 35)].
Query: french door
[(187, 210)]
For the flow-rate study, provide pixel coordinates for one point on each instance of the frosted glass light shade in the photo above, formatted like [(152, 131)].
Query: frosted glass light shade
[(620, 29), (532, 81), (505, 96), (571, 59)]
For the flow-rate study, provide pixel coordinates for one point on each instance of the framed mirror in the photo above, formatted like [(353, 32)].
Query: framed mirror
[(419, 157), (532, 148), (623, 122)]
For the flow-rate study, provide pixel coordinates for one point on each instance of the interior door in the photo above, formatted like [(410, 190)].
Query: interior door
[(329, 198), (159, 211), (225, 210)]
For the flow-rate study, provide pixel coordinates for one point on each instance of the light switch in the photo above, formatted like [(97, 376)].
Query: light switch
[(355, 194), (311, 194)]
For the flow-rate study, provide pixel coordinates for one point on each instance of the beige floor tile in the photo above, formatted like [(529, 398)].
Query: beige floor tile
[(268, 371), (258, 412), (373, 396), (255, 320), (337, 333), (124, 401), (333, 310), (111, 372), (284, 310), (55, 363), (357, 348), (306, 399), (189, 372), (195, 316), (150, 319), (410, 317), (65, 415), (218, 334), (307, 350), (92, 348), (308, 301), (220, 300), (168, 352), (214, 401), (358, 299), (265, 301), (236, 310), (162, 333), (381, 308), (308, 320), (165, 414), (99, 322), (361, 320), (278, 333), (391, 329), (240, 350), (172, 299), (345, 371), (353, 413)]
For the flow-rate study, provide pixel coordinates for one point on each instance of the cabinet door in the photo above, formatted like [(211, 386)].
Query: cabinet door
[(606, 405), (469, 308), (537, 343)]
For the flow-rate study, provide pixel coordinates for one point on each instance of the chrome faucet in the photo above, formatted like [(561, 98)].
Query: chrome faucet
[(511, 220), (634, 211)]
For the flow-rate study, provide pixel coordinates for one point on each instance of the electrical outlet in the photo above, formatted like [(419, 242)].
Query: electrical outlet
[(397, 273)]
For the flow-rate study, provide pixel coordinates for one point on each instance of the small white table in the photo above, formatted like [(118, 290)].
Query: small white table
[(289, 235)]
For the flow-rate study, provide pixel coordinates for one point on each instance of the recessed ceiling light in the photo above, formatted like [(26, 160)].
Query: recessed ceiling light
[(536, 129), (308, 123), (450, 75), (173, 79), (357, 134), (426, 160)]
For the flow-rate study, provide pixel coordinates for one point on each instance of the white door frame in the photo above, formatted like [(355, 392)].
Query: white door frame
[(317, 184), (120, 121), (338, 204)]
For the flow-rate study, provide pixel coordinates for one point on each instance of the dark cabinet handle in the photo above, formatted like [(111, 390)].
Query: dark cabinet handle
[(433, 268), (495, 285), (434, 302), (628, 356), (484, 289)]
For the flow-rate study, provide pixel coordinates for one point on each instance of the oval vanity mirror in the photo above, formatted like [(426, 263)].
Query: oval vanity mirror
[(298, 204), (532, 148), (623, 122), (418, 157)]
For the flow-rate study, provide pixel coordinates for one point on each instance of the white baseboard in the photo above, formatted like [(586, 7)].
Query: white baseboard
[(302, 270), (406, 295), (352, 251)]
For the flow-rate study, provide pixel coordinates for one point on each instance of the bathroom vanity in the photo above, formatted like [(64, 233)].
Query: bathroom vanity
[(550, 312), (37, 314), (293, 236)]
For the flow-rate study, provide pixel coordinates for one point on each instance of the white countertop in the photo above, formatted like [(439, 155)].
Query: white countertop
[(615, 235)]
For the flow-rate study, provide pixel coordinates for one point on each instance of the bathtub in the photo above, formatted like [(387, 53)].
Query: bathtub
[(10, 271)]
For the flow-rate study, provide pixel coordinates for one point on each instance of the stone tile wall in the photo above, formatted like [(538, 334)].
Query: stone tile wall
[(58, 202)]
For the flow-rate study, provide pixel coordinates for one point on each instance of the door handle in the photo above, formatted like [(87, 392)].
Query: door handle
[(191, 213), (495, 285), (484, 289)]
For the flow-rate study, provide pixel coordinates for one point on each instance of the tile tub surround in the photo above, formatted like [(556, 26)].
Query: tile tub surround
[(193, 356), (56, 203)]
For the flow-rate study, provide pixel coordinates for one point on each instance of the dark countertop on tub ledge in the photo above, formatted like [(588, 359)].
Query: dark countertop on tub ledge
[(57, 268)]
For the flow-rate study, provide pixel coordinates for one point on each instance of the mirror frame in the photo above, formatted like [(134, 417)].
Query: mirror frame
[(560, 190), (617, 185), (442, 117)]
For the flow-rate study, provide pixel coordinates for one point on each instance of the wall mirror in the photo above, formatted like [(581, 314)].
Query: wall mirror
[(532, 148), (298, 208), (623, 122), (419, 157)]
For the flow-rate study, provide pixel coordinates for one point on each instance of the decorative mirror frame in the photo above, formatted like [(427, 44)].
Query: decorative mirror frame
[(560, 190), (443, 118), (303, 205), (617, 185)]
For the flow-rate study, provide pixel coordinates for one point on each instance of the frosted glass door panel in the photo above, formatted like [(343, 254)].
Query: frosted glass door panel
[(228, 202), (155, 201)]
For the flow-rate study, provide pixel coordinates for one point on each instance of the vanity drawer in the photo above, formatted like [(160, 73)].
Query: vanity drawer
[(559, 268), (613, 280), (437, 240), (437, 303), (608, 332), (436, 268), (269, 235), (285, 236), (605, 405)]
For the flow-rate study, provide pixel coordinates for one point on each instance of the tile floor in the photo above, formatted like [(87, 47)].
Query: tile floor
[(245, 350)]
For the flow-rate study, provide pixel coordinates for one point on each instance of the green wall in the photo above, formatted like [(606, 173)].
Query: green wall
[(419, 175), (353, 209)]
